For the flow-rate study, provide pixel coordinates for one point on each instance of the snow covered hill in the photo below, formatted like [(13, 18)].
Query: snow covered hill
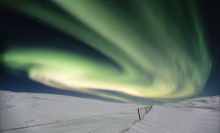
[(200, 115), (45, 113)]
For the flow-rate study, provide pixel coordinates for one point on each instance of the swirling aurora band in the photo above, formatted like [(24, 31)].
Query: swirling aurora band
[(158, 45)]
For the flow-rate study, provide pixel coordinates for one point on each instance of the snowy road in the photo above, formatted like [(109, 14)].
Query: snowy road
[(97, 124), (44, 113)]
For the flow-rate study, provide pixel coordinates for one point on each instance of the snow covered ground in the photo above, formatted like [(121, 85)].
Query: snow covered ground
[(45, 113), (201, 115)]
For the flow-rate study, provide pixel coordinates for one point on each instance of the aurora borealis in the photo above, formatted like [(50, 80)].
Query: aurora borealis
[(145, 48)]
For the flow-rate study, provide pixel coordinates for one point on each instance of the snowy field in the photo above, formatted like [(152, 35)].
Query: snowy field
[(201, 115), (45, 113)]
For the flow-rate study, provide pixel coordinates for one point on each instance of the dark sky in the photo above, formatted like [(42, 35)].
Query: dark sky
[(20, 29), (210, 15)]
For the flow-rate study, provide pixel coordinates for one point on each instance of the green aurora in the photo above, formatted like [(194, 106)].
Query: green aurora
[(157, 47)]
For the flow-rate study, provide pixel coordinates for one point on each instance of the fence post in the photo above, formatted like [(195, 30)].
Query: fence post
[(139, 114)]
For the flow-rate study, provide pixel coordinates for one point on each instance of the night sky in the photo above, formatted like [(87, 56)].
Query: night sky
[(125, 51)]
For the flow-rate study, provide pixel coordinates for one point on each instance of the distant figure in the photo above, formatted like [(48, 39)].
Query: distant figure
[(160, 103)]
